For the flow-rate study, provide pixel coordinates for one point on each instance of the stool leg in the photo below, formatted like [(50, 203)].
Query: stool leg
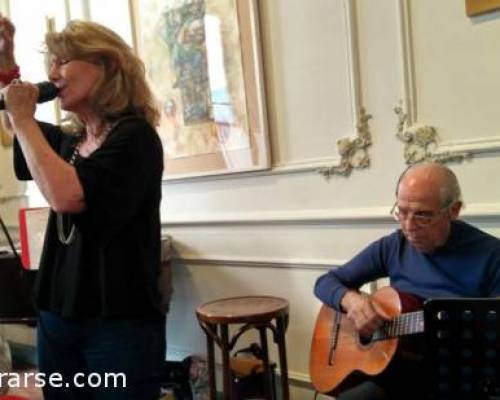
[(267, 369), (226, 369), (211, 363), (281, 328)]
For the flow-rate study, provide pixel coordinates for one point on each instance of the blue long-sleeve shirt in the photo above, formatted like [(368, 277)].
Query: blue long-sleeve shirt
[(467, 265)]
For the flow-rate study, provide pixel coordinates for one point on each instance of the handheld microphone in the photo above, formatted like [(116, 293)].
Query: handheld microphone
[(46, 91)]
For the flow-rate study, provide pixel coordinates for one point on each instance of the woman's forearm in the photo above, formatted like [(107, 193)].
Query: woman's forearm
[(56, 178)]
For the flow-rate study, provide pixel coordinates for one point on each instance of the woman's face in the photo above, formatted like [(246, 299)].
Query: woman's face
[(75, 80)]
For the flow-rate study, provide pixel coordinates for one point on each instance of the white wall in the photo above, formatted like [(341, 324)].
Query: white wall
[(276, 232)]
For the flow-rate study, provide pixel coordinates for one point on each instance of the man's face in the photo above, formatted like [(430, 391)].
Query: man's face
[(423, 219)]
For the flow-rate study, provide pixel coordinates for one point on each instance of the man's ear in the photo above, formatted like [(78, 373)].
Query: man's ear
[(455, 209)]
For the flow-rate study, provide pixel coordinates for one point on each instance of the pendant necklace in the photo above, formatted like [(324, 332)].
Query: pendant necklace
[(69, 239)]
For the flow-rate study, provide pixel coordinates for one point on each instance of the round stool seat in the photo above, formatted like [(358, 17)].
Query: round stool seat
[(261, 313), (246, 309)]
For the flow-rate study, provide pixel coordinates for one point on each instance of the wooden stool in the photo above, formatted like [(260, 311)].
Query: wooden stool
[(254, 312)]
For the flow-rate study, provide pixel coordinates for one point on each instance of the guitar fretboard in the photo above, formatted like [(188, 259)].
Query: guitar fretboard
[(404, 324)]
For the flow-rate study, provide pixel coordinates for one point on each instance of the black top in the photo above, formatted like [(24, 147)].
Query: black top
[(111, 269)]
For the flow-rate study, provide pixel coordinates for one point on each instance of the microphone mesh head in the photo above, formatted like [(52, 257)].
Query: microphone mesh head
[(47, 91)]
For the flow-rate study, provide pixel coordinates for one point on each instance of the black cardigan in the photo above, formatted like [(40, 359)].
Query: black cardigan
[(111, 269)]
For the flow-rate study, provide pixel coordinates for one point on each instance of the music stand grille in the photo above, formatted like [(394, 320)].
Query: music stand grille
[(462, 338)]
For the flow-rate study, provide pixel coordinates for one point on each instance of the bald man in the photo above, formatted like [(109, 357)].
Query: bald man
[(432, 255)]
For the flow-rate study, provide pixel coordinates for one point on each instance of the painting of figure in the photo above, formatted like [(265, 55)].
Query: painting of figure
[(195, 60), (185, 38)]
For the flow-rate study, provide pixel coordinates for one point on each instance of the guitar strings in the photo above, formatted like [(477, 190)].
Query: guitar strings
[(401, 325)]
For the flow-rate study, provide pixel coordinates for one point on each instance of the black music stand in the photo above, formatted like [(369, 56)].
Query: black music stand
[(462, 342)]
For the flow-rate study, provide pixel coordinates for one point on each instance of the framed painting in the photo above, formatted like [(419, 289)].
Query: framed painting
[(203, 60), (6, 139), (477, 7)]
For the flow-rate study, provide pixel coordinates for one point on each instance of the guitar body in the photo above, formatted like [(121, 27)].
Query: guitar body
[(338, 359)]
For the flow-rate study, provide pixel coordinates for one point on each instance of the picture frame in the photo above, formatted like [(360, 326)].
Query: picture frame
[(6, 139), (477, 7), (204, 64)]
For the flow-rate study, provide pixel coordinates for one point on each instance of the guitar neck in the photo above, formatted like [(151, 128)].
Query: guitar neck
[(404, 324)]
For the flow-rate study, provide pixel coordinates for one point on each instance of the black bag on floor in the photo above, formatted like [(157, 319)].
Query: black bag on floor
[(176, 378), (248, 374), (16, 287)]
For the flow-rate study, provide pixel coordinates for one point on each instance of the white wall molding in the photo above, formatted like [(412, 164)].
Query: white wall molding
[(326, 216), (481, 211), (422, 141), (301, 167), (14, 197), (473, 146), (257, 262), (299, 377), (311, 165), (370, 215), (353, 150)]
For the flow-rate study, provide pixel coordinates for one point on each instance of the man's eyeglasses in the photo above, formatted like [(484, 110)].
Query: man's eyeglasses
[(420, 218)]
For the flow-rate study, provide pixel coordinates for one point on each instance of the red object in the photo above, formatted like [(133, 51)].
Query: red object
[(32, 225), (10, 397), (7, 76), (23, 238)]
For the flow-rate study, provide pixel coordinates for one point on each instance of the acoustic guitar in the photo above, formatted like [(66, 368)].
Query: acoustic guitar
[(340, 359)]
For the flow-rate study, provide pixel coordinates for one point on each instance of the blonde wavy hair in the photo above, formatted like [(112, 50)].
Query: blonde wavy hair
[(123, 88)]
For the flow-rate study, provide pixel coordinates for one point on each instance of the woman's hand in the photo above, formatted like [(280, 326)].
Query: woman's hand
[(20, 100)]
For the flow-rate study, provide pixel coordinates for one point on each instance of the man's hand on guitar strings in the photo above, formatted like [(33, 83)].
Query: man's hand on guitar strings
[(363, 313)]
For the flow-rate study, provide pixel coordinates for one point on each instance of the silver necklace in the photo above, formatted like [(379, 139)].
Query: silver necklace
[(67, 240)]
